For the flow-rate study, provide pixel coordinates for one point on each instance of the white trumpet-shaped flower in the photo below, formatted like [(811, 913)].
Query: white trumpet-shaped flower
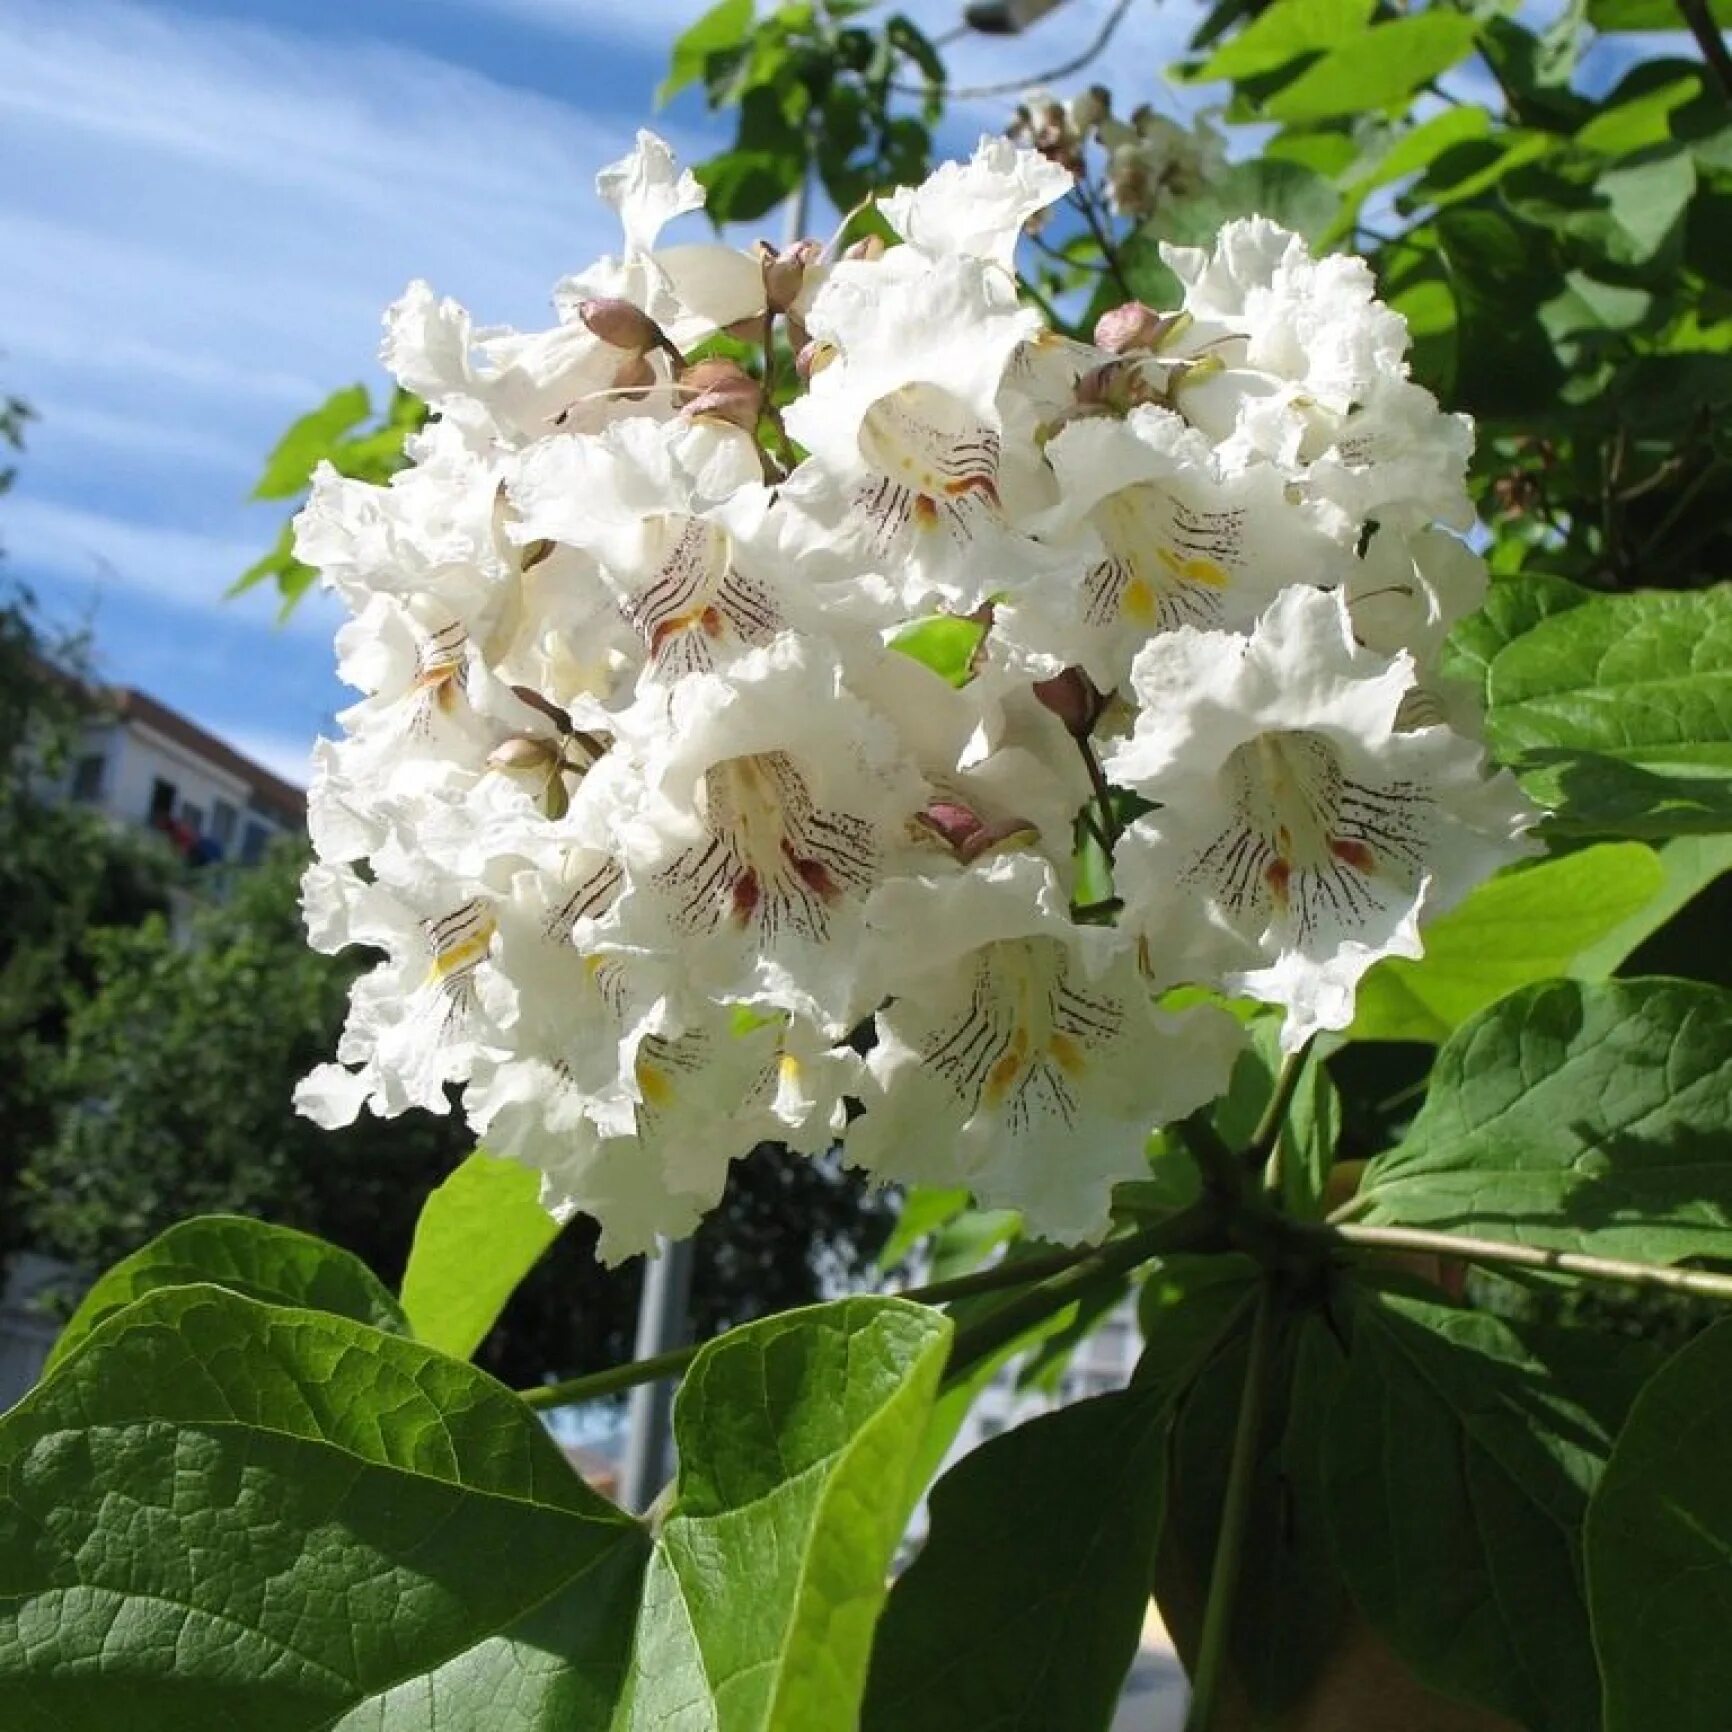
[(1301, 833)]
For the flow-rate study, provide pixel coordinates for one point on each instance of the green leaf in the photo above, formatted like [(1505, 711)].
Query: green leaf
[(1500, 272), (925, 1208), (1513, 607), (1640, 122), (1688, 864), (726, 25), (1515, 929), (1659, 1549), (1580, 1118), (298, 453), (1290, 1597), (1281, 34), (1650, 14), (1023, 1610), (946, 643), (275, 1264), (1312, 1125), (1458, 1468), (1619, 710), (478, 1235), (221, 1513), (1375, 68), (797, 1440), (1289, 193), (280, 564)]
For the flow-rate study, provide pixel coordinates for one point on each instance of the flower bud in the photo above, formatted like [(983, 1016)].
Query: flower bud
[(1133, 326), (785, 271), (523, 754), (868, 247), (968, 835), (1091, 108), (725, 391), (813, 357), (1074, 698), (621, 325)]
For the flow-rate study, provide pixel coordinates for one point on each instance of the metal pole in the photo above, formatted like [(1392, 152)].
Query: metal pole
[(664, 1322)]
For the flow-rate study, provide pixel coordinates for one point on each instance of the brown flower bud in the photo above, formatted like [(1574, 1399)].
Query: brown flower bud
[(524, 754), (621, 325), (724, 391), (1074, 698), (785, 271)]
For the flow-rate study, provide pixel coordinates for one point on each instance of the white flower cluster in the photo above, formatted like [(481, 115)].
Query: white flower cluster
[(725, 775)]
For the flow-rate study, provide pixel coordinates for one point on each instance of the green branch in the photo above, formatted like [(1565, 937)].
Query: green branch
[(1702, 1283), (1021, 1272)]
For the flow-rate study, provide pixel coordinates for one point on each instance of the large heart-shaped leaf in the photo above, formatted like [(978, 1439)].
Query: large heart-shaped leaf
[(1576, 1117), (223, 1513), (275, 1264), (1458, 1468)]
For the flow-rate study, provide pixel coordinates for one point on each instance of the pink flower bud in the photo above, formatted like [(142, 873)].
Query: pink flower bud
[(1132, 326)]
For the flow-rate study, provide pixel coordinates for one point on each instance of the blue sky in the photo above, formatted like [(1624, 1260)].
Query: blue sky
[(208, 203), (206, 206)]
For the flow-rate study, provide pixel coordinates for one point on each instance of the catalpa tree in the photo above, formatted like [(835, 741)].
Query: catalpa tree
[(1012, 692)]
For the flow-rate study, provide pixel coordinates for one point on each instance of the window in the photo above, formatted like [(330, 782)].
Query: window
[(193, 817), (87, 776), (162, 798), (254, 843), (223, 818)]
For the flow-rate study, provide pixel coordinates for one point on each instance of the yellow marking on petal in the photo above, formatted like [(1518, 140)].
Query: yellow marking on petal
[(1067, 1055), (790, 1070), (1002, 1078), (1195, 570), (652, 1084), (463, 954), (1139, 603)]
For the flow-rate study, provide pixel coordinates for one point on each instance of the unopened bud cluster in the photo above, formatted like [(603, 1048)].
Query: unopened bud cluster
[(745, 734)]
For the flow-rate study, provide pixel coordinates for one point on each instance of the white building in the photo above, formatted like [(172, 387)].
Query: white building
[(142, 763)]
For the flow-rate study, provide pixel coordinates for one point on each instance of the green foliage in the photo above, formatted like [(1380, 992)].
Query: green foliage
[(1577, 1117), (346, 1529), (344, 432), (1515, 929), (1029, 1623), (478, 1235), (275, 1265), (1458, 1456), (1659, 1549), (817, 98), (1618, 712), (797, 1439), (331, 1507)]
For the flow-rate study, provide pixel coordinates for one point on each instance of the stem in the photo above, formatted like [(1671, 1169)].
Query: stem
[(1223, 1176), (1189, 1228), (1235, 1518), (1107, 828), (1703, 1283), (611, 1381), (1264, 1149), (1100, 227), (1708, 38), (615, 1378)]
